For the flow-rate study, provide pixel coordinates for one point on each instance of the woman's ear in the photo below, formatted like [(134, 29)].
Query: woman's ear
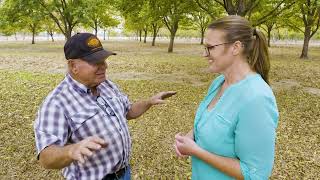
[(237, 48)]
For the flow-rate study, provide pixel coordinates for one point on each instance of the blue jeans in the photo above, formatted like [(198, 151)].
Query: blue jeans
[(127, 174)]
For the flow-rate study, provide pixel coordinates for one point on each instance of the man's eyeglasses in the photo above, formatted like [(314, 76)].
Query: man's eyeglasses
[(208, 48), (104, 106)]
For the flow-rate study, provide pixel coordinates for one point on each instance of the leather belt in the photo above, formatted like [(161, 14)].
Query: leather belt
[(115, 175)]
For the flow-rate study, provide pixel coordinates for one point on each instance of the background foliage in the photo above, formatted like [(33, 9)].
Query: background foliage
[(28, 74)]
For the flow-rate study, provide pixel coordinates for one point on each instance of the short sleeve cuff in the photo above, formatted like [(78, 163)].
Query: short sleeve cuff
[(128, 107), (44, 140), (249, 173), (244, 171)]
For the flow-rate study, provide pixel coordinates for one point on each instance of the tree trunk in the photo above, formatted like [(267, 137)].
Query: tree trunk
[(68, 35), (172, 35), (104, 34), (137, 35), (140, 34), (232, 9), (96, 28), (307, 34), (173, 31), (145, 36), (51, 34), (154, 36), (68, 32), (269, 36), (202, 36), (15, 36), (33, 34), (96, 31), (155, 28)]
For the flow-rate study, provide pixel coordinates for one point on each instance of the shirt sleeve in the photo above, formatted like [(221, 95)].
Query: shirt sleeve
[(255, 137), (50, 127), (126, 102)]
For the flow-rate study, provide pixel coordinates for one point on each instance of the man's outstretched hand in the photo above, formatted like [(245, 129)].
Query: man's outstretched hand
[(140, 107), (161, 96)]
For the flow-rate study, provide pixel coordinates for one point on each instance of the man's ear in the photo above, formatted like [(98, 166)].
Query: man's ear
[(73, 66), (237, 48)]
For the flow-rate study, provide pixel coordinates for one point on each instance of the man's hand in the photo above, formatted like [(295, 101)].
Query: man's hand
[(83, 149), (140, 107), (160, 97)]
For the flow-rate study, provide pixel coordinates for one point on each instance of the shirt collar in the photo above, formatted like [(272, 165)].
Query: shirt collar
[(77, 85)]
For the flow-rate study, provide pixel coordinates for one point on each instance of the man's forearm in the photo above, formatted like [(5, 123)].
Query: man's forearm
[(55, 157), (138, 108)]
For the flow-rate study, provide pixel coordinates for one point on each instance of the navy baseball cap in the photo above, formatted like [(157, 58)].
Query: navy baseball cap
[(87, 47)]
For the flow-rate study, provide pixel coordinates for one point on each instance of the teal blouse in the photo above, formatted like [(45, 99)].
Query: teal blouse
[(241, 125)]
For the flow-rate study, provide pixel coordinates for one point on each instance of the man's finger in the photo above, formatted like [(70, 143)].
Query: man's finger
[(79, 158), (99, 140), (93, 145), (160, 102), (86, 152), (168, 94)]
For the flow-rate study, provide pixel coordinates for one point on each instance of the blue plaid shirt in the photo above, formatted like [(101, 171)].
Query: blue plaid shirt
[(71, 113)]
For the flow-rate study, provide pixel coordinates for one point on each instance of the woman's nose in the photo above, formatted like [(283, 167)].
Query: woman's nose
[(204, 54)]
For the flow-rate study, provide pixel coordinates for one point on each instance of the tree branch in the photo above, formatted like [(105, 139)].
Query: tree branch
[(273, 13)]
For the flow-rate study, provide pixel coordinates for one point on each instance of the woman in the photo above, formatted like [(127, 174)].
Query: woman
[(234, 129)]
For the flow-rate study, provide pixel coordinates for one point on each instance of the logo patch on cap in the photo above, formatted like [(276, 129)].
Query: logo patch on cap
[(93, 42)]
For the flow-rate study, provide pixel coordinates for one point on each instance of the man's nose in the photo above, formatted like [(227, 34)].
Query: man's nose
[(103, 65)]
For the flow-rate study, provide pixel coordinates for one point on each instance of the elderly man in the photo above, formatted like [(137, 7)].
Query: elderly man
[(82, 124)]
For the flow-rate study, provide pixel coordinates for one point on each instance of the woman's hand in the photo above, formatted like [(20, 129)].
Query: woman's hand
[(178, 153), (185, 146)]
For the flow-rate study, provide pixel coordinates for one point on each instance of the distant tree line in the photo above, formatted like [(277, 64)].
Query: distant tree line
[(52, 16), (146, 17)]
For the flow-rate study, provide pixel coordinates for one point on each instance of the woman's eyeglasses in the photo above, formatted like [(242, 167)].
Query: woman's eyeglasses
[(208, 48)]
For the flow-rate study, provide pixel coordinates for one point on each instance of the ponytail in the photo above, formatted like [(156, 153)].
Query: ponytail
[(259, 59)]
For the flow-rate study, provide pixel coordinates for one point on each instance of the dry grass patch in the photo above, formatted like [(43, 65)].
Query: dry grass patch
[(28, 73)]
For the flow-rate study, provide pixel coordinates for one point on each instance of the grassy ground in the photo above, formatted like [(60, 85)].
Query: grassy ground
[(28, 73)]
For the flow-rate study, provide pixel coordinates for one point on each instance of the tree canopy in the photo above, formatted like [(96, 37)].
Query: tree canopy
[(149, 17)]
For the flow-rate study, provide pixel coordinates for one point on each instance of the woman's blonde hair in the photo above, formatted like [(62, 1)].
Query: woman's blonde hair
[(237, 28)]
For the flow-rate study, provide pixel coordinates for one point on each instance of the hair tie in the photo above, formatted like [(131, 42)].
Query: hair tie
[(254, 31)]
